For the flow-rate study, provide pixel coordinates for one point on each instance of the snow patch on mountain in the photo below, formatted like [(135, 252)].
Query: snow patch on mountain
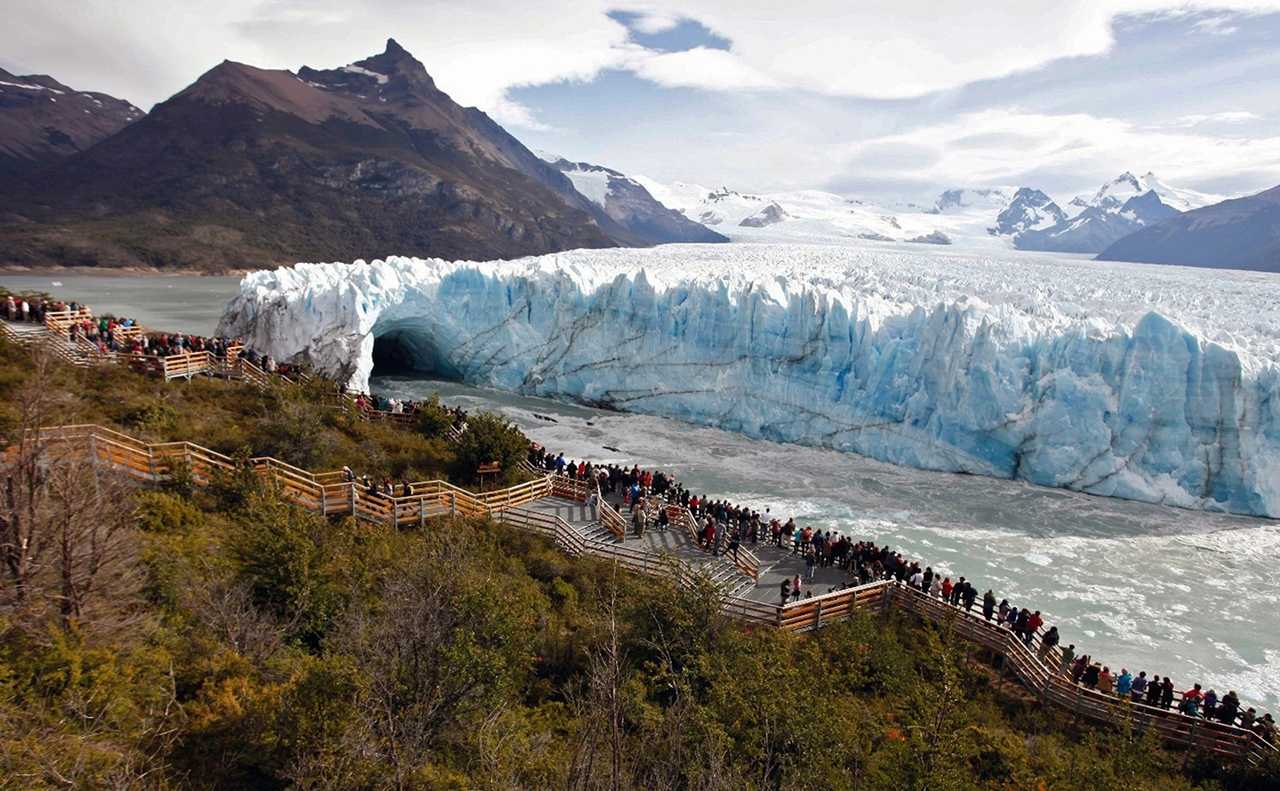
[(1152, 383), (593, 184)]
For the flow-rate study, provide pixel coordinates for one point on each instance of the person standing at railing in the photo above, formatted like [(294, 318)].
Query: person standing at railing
[(1067, 660), (1166, 693), (1047, 643), (1211, 705), (988, 604), (1034, 622), (1124, 683), (1139, 687), (1106, 681), (795, 589)]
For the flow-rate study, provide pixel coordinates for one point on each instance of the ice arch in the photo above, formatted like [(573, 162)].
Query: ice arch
[(883, 361)]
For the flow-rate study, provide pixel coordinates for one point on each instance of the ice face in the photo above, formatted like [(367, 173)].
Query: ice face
[(1141, 382)]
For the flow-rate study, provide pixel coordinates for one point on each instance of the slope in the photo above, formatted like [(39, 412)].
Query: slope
[(252, 167), (1243, 233)]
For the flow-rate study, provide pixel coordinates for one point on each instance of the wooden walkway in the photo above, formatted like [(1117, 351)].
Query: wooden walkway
[(575, 516)]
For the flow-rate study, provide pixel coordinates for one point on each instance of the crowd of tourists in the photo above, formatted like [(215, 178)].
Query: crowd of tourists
[(723, 528)]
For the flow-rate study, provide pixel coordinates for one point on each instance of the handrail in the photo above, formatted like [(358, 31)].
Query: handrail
[(153, 462)]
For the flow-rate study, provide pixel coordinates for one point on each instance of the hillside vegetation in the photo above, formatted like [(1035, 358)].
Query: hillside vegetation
[(229, 640)]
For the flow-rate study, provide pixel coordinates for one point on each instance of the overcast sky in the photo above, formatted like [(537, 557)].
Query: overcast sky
[(872, 97)]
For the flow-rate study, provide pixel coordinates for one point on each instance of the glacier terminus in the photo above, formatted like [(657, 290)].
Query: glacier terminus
[(1150, 383)]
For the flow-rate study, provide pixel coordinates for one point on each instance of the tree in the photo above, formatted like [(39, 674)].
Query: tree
[(65, 520), (433, 418), (489, 438)]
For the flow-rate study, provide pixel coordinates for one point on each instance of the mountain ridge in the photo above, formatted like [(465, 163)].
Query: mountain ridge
[(249, 167)]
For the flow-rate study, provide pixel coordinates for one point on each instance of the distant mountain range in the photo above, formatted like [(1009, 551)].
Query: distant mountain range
[(1243, 233), (43, 121), (252, 167), (1120, 207)]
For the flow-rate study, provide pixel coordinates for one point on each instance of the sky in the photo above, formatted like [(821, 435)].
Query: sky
[(875, 98)]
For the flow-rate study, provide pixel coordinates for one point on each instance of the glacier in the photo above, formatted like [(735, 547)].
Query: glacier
[(1148, 383)]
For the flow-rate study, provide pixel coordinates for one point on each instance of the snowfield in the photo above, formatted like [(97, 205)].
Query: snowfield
[(1150, 383)]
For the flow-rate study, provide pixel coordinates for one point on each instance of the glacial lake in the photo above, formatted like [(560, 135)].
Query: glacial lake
[(1140, 586)]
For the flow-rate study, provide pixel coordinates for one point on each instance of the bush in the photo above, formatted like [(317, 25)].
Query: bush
[(489, 438)]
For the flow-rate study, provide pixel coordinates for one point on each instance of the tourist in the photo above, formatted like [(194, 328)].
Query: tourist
[(1124, 683), (1106, 683), (988, 604), (1092, 674), (1228, 708), (786, 590), (917, 580), (1047, 643), (1191, 700), (795, 588), (1065, 661), (1166, 693), (1139, 687), (1034, 622), (1210, 704), (1003, 611), (638, 518), (969, 595), (947, 589), (1266, 729), (1153, 691)]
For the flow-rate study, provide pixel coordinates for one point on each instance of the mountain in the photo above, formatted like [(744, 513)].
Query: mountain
[(43, 121), (773, 213), (1243, 233), (1121, 189), (1029, 210), (962, 199), (1119, 208), (252, 167), (626, 202)]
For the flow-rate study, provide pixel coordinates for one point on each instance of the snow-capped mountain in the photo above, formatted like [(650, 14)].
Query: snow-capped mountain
[(1120, 207), (1030, 210), (960, 216), (773, 213), (626, 202), (1242, 233), (1118, 191), (994, 199)]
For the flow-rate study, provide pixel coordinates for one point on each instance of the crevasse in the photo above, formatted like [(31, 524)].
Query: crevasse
[(937, 362)]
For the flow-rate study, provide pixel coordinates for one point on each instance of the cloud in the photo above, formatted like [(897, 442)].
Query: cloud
[(700, 67), (1225, 117), (1062, 152), (652, 24), (1217, 25), (883, 49)]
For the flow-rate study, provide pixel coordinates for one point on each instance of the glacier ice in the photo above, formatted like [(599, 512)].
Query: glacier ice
[(1149, 383)]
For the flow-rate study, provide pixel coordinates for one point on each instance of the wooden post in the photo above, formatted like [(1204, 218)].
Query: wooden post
[(324, 505), (422, 511), (351, 495), (453, 505), (817, 617)]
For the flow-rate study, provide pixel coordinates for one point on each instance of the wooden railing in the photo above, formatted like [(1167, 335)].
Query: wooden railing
[(60, 321), (328, 493), (1171, 726), (746, 560)]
